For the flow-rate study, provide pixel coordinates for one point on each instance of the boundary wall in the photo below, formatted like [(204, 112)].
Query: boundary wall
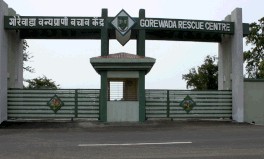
[(254, 101)]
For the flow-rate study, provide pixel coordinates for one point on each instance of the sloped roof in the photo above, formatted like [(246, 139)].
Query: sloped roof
[(122, 62), (122, 56)]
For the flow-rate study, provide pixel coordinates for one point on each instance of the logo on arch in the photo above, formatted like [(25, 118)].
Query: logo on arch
[(123, 22)]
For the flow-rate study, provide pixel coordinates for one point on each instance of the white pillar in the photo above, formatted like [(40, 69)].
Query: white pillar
[(15, 57), (3, 62), (230, 65), (237, 66), (221, 65), (224, 61)]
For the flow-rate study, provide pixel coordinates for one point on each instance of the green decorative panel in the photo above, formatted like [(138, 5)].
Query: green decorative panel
[(55, 103), (123, 22), (187, 104)]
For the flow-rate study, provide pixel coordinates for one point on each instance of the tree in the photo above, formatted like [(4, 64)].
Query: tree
[(41, 82), (254, 57), (206, 77), (26, 57)]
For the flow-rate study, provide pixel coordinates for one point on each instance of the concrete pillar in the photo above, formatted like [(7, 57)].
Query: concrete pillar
[(230, 65), (15, 57), (224, 61), (141, 96), (141, 36), (105, 34), (104, 52), (3, 62), (237, 66), (103, 96)]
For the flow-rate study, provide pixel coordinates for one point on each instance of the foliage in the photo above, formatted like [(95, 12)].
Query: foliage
[(41, 82), (254, 57), (206, 77), (26, 57)]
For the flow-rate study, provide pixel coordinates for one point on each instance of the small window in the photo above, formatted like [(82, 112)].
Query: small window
[(122, 89)]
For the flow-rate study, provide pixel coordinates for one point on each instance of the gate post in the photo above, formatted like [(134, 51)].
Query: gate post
[(141, 96), (237, 67), (231, 65), (3, 62), (15, 56), (105, 34), (141, 36), (103, 97)]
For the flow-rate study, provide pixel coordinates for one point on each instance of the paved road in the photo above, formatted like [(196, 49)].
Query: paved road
[(26, 140)]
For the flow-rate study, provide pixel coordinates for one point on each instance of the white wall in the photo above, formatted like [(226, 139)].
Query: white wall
[(120, 111), (122, 74), (254, 102), (3, 62), (231, 65), (15, 57)]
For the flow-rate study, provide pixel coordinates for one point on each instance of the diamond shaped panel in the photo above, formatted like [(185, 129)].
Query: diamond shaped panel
[(55, 103), (187, 104), (123, 22)]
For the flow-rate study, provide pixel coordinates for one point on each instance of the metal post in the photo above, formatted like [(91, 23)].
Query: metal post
[(168, 104), (76, 103)]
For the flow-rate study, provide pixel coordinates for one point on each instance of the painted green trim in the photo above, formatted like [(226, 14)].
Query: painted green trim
[(195, 117), (52, 89), (104, 34), (253, 80), (103, 97), (119, 61), (141, 37), (47, 117), (245, 29), (123, 69), (141, 95), (124, 64), (187, 90)]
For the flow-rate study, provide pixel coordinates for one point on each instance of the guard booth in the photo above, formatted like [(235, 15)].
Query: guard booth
[(123, 76)]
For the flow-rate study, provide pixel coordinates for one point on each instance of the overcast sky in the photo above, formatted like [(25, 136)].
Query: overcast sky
[(68, 61)]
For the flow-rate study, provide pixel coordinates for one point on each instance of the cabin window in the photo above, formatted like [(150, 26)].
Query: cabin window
[(122, 89)]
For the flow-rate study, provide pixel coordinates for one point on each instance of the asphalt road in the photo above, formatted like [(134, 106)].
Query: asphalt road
[(209, 139)]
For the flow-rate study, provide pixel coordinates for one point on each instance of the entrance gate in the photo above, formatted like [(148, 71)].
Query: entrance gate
[(77, 103), (208, 104), (124, 67)]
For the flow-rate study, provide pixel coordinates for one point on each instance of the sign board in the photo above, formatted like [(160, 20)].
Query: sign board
[(122, 23), (23, 22)]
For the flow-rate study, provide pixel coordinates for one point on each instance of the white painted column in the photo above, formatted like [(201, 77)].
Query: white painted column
[(221, 64), (15, 57), (230, 65), (225, 61), (237, 66), (3, 62)]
